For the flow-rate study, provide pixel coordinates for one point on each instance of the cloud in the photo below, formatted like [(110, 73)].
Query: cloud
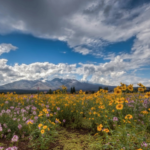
[(83, 51), (63, 52), (140, 52), (6, 48), (117, 74), (111, 73), (92, 23)]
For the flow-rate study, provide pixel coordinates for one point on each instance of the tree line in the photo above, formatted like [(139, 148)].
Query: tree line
[(73, 90)]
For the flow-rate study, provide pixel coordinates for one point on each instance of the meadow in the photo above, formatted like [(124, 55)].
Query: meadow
[(98, 121)]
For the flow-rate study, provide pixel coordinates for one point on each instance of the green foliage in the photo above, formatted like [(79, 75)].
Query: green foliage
[(50, 91), (100, 88), (105, 88), (78, 111), (73, 90)]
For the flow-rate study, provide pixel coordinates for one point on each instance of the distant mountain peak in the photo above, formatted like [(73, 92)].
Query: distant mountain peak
[(54, 84)]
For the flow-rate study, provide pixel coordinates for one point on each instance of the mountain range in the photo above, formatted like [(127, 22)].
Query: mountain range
[(53, 85)]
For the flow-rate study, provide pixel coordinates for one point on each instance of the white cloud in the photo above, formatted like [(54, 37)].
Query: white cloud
[(83, 51), (6, 48), (111, 73), (117, 74)]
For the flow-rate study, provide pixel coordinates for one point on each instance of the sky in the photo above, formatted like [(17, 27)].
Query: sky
[(98, 41)]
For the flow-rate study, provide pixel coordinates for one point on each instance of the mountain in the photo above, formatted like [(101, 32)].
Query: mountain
[(26, 85), (53, 85)]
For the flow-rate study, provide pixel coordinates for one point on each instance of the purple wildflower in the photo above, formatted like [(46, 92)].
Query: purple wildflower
[(47, 115), (17, 108), (19, 126), (36, 117), (8, 111), (9, 130), (24, 118), (29, 120), (56, 121), (5, 125), (3, 111), (12, 148), (23, 110), (1, 129), (1, 148), (144, 144), (31, 96), (58, 108), (27, 107), (42, 105), (34, 108), (34, 112), (115, 119), (15, 138), (15, 148)]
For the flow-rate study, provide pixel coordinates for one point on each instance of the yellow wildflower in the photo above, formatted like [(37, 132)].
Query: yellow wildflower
[(128, 116), (119, 107), (40, 125), (106, 130), (42, 131), (44, 127)]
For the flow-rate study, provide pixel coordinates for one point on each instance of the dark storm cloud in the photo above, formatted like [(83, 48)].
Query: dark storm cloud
[(42, 16), (107, 10), (117, 15), (115, 11), (130, 4), (51, 16)]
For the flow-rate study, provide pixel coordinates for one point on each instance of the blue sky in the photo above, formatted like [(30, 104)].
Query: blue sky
[(35, 49), (89, 41)]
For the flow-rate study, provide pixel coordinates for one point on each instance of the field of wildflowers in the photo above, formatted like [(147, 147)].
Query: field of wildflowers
[(115, 121)]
